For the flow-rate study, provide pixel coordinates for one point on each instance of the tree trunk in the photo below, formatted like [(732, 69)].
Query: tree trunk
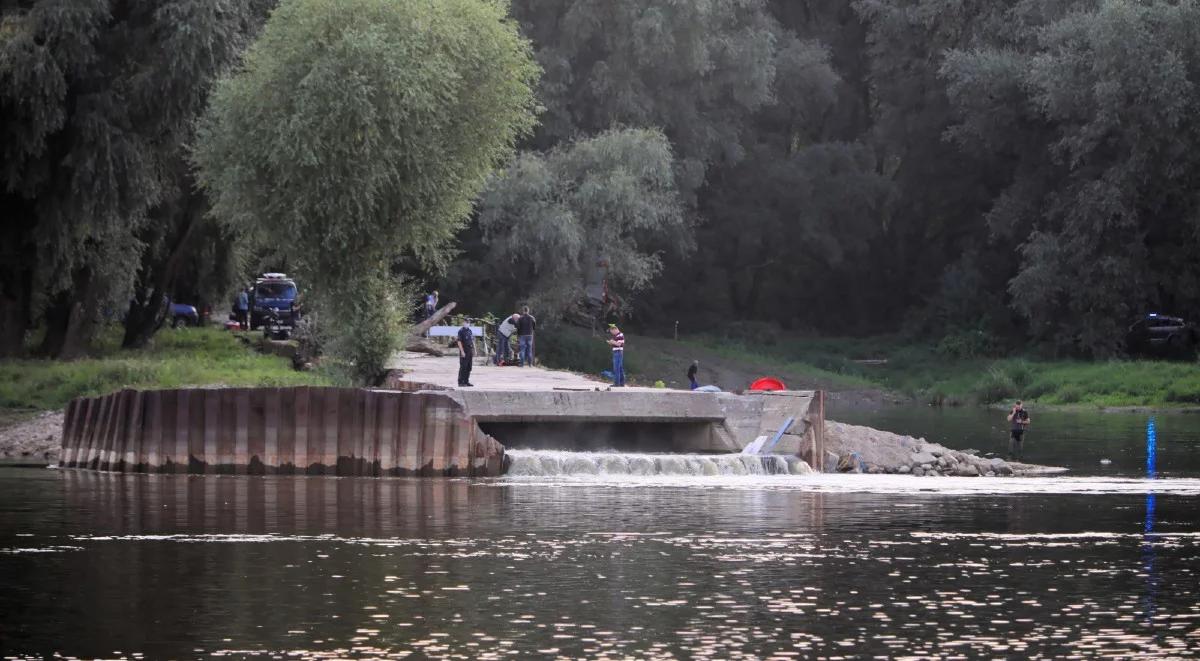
[(71, 319), (424, 326), (157, 274), (14, 313)]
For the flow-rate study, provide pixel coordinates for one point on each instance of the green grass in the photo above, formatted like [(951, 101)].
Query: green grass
[(924, 373), (175, 358)]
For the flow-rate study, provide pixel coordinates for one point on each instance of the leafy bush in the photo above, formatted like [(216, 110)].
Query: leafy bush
[(971, 343), (996, 385), (1184, 393), (1069, 394)]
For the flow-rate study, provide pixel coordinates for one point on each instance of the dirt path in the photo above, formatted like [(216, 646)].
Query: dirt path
[(664, 356), (34, 441)]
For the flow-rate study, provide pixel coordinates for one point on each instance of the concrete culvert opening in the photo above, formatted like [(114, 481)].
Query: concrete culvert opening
[(600, 436)]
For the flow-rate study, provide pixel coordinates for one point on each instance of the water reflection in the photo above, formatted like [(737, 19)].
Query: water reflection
[(173, 566)]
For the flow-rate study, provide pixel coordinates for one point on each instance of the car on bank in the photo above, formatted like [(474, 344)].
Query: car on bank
[(274, 299), (1162, 336), (182, 314)]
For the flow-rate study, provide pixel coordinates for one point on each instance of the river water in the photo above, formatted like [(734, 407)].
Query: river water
[(604, 564)]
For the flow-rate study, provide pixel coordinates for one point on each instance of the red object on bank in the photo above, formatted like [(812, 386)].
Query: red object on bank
[(768, 383)]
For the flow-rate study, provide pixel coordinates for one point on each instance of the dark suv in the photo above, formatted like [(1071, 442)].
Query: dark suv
[(1162, 336), (274, 294)]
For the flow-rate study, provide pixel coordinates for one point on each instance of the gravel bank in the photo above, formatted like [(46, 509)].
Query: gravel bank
[(33, 441)]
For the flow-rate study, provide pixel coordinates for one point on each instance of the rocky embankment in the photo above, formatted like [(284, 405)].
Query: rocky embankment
[(856, 449)]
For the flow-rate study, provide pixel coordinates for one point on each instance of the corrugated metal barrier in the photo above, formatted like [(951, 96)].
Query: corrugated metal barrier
[(315, 431)]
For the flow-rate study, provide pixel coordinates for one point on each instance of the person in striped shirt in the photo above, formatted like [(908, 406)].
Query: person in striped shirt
[(617, 342)]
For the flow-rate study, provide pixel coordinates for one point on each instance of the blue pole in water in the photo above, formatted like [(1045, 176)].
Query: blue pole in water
[(1148, 552), (1151, 450)]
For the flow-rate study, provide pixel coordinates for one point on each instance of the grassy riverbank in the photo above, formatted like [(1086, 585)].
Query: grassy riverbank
[(924, 373), (889, 365), (175, 358)]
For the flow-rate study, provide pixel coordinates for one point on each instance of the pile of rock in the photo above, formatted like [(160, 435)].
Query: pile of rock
[(950, 462), (855, 449)]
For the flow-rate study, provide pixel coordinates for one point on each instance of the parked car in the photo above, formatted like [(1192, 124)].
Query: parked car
[(1162, 336), (182, 314), (274, 298)]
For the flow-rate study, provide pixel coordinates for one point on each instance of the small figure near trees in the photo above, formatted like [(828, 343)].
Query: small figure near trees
[(526, 325), (431, 303), (504, 333), (466, 354), (617, 341), (242, 308)]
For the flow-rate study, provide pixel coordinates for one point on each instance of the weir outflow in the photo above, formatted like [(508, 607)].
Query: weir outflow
[(432, 432)]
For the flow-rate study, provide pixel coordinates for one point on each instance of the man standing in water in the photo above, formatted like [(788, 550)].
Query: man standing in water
[(617, 341), (1019, 419), (466, 354)]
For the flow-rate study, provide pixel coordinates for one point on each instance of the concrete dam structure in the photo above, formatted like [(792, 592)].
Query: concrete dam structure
[(418, 429), (314, 431)]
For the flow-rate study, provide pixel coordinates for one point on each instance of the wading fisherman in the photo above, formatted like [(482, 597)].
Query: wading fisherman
[(1019, 418)]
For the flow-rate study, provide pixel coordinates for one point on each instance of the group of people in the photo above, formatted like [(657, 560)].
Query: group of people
[(521, 324)]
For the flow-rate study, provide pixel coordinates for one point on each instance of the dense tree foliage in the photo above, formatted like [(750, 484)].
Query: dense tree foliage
[(582, 222), (1013, 170), (357, 130), (97, 100)]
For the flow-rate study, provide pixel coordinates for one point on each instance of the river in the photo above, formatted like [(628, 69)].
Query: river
[(1103, 561)]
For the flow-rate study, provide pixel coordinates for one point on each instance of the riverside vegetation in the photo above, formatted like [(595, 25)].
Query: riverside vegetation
[(930, 374), (187, 357)]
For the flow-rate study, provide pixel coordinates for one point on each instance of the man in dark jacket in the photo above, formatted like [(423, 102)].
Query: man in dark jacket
[(525, 328), (466, 354)]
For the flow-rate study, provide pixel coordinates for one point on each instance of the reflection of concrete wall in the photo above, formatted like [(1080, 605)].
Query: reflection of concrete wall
[(285, 505), (319, 431)]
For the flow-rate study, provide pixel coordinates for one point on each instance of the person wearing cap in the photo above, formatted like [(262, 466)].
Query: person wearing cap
[(616, 340)]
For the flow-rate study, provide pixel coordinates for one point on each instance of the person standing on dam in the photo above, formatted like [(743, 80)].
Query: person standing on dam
[(504, 333), (617, 341), (466, 354), (691, 374), (1019, 419), (526, 325)]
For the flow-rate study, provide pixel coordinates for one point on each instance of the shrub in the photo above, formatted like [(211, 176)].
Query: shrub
[(1069, 394), (1184, 393), (995, 386)]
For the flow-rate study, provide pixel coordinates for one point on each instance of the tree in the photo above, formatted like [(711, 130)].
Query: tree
[(1093, 109), (97, 100), (357, 130), (696, 70), (583, 220)]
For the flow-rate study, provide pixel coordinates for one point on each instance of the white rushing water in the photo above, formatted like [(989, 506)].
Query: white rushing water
[(556, 463), (783, 472)]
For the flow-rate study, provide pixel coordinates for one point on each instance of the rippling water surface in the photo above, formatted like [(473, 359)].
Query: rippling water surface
[(165, 565), (600, 565)]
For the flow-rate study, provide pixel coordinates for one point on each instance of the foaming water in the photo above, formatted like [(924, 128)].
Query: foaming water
[(780, 472), (556, 463)]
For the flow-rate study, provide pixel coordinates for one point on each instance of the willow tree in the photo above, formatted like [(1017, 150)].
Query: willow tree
[(97, 101), (359, 130), (593, 213)]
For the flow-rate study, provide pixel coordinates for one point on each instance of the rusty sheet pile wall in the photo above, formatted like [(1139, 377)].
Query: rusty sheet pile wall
[(317, 431)]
